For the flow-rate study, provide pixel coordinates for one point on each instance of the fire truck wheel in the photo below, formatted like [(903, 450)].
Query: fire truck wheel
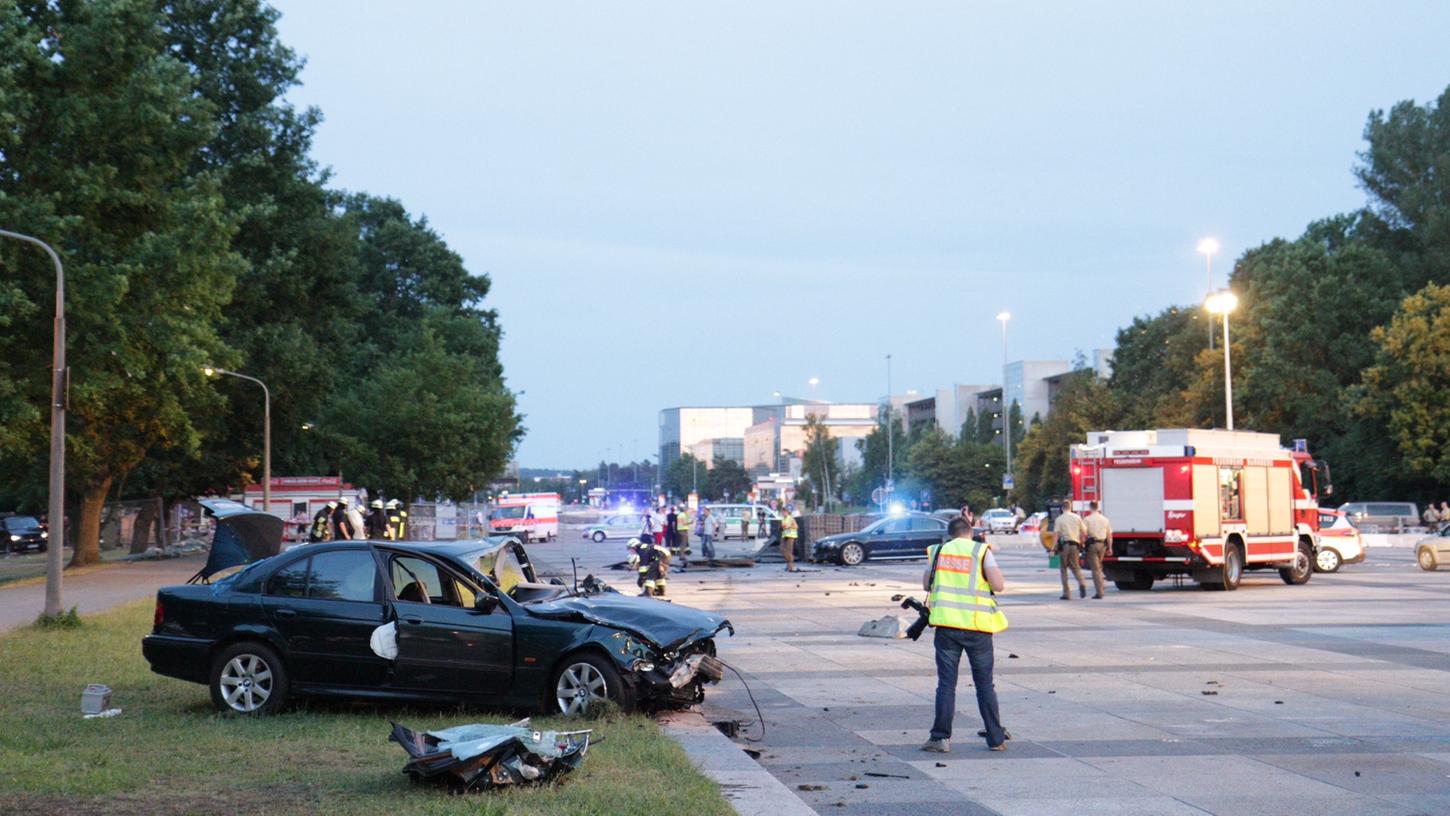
[(1327, 560), (1302, 567), (1140, 582), (1231, 571)]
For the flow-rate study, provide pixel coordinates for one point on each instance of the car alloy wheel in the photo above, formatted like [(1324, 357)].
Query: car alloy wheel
[(1427, 559), (598, 536), (246, 683), (1327, 560), (852, 554), (580, 686)]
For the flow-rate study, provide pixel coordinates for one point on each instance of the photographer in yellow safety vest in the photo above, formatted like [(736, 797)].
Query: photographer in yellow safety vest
[(962, 580)]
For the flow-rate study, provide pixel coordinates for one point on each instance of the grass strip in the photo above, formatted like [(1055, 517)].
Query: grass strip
[(170, 754)]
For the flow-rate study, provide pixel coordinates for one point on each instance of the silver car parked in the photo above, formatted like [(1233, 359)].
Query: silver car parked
[(622, 525)]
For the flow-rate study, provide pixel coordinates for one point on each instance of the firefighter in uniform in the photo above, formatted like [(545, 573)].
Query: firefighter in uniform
[(397, 520), (321, 529), (377, 521), (962, 581), (655, 559), (638, 548), (789, 531), (342, 528)]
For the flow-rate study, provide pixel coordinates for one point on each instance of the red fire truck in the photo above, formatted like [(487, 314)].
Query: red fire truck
[(1208, 504)]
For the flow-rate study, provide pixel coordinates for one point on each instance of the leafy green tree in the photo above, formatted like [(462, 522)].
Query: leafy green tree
[(820, 464), (1408, 387), (727, 478), (1014, 420), (684, 475), (956, 471), (874, 456), (426, 423), (103, 170), (1041, 464)]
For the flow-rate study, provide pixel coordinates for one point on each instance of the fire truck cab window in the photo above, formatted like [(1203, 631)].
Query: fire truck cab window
[(1230, 493)]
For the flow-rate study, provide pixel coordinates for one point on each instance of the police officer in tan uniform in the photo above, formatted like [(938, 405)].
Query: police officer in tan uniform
[(1099, 542), (1069, 531)]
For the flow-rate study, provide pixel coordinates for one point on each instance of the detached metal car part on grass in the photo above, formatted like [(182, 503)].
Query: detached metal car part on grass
[(469, 621)]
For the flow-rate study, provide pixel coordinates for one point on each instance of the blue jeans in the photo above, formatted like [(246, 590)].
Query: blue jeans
[(707, 548), (950, 643)]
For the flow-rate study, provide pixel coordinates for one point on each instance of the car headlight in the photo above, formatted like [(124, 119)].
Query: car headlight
[(644, 666), (44, 534), (14, 538)]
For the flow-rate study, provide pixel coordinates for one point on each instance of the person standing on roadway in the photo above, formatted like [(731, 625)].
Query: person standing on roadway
[(1099, 531), (1069, 530), (962, 581), (788, 534)]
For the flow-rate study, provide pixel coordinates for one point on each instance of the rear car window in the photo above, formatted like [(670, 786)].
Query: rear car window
[(290, 581), (1390, 510), (343, 576)]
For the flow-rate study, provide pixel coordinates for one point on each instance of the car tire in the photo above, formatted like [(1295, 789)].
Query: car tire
[(248, 679), (599, 536), (851, 554), (1327, 559), (1426, 559), (1302, 569), (582, 680)]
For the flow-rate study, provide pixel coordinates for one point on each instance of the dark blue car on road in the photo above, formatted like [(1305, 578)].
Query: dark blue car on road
[(460, 621)]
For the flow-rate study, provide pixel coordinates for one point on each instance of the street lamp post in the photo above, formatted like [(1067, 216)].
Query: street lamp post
[(890, 425), (813, 382), (1006, 411), (211, 371), (59, 376), (1209, 246), (1223, 302)]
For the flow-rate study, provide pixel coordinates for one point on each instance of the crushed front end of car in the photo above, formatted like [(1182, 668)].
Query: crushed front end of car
[(666, 652)]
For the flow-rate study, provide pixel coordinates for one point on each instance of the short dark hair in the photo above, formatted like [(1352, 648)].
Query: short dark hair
[(959, 528), (1092, 505)]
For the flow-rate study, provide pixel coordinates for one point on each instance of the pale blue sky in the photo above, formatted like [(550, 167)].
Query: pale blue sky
[(689, 204)]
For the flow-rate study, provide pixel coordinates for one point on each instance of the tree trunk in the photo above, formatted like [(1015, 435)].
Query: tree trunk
[(88, 531), (141, 529)]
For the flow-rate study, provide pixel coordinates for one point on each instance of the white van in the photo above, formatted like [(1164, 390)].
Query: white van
[(530, 516)]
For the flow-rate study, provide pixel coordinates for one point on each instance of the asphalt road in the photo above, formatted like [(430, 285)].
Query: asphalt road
[(96, 589), (1328, 697)]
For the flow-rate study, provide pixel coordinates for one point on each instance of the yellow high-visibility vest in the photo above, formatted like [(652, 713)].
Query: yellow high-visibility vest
[(960, 597)]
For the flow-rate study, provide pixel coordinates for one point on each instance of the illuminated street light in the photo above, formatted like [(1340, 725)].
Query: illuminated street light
[(1221, 303), (212, 371)]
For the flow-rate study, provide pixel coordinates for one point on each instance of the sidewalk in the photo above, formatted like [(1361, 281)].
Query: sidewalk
[(96, 590)]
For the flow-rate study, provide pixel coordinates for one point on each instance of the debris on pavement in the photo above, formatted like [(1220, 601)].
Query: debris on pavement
[(810, 787), (887, 775), (1208, 693), (480, 756), (887, 626)]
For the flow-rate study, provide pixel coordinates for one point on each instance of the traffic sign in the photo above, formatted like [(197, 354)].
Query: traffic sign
[(1007, 482)]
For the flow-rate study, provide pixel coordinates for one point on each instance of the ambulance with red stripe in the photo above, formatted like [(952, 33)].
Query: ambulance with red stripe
[(530, 516), (1206, 504)]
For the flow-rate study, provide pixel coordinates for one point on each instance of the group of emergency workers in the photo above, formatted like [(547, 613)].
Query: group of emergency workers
[(341, 520)]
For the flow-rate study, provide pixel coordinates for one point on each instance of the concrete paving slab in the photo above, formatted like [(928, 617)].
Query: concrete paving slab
[(1139, 806)]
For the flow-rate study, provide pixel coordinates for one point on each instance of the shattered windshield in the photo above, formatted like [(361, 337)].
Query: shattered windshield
[(501, 565)]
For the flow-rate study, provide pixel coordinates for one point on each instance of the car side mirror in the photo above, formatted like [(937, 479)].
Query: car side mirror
[(485, 603)]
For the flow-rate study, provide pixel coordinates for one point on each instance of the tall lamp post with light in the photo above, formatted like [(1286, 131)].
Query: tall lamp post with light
[(1006, 412), (59, 376), (212, 371), (1209, 247), (1223, 302)]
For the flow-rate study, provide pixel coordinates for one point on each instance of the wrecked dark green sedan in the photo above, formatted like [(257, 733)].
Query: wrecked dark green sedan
[(456, 622)]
